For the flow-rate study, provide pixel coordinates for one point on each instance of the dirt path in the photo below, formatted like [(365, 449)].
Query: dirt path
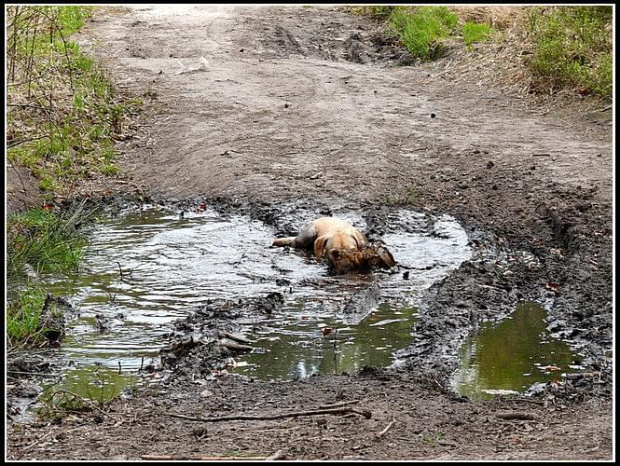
[(277, 111), (286, 106)]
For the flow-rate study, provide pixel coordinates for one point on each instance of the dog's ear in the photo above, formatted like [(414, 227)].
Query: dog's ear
[(361, 240), (386, 256), (319, 247)]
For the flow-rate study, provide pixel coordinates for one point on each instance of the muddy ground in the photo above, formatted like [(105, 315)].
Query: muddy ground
[(311, 107)]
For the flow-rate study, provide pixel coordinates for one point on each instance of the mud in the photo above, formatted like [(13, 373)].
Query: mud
[(290, 111)]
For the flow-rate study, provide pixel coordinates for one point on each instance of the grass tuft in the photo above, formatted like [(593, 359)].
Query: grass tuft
[(423, 29), (23, 317), (572, 48), (44, 241), (476, 32)]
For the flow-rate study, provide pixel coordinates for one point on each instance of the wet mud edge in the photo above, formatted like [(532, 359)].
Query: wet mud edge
[(488, 286)]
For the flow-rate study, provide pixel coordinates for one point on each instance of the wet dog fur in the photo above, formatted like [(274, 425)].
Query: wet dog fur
[(344, 247), (343, 261)]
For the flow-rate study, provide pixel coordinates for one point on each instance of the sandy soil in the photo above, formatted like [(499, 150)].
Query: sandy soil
[(258, 106)]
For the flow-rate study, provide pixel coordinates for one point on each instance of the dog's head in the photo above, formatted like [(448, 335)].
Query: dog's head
[(337, 240), (366, 259)]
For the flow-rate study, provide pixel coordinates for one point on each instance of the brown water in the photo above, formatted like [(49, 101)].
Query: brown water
[(146, 268), (513, 355), (300, 344)]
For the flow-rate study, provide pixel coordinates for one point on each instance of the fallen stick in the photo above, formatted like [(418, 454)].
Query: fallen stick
[(234, 346), (581, 375), (231, 336), (38, 374), (338, 405), (520, 415), (276, 456), (242, 417), (381, 434), (87, 401), (39, 440), (525, 400), (200, 458)]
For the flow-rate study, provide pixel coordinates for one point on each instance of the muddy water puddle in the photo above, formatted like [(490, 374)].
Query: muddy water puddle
[(146, 268), (513, 356), (298, 346)]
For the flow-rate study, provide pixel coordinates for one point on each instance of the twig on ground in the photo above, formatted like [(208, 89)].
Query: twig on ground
[(87, 401), (234, 346), (38, 374), (520, 415), (201, 458), (381, 434), (242, 417), (338, 405), (277, 455), (231, 336), (43, 437)]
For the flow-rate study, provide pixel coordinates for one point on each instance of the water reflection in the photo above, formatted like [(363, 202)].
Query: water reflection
[(93, 382), (511, 356), (146, 268), (298, 346)]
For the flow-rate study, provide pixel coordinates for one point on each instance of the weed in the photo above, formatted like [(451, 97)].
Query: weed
[(109, 169), (45, 241), (62, 110), (573, 47), (475, 32), (23, 314), (89, 389), (433, 438), (423, 29), (404, 197), (376, 11)]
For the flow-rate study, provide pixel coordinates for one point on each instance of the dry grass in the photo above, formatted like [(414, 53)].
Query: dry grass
[(498, 17), (503, 64)]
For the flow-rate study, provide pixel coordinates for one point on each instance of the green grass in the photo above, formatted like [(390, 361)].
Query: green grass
[(573, 47), (22, 317), (45, 241), (423, 29), (61, 126), (376, 11), (476, 32)]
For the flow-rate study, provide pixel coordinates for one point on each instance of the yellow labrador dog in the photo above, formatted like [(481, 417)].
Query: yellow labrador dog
[(344, 247)]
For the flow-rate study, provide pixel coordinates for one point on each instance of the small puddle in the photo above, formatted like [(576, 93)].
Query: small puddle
[(144, 269), (510, 357), (298, 345)]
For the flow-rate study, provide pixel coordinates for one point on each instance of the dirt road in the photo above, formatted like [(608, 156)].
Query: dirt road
[(263, 106)]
